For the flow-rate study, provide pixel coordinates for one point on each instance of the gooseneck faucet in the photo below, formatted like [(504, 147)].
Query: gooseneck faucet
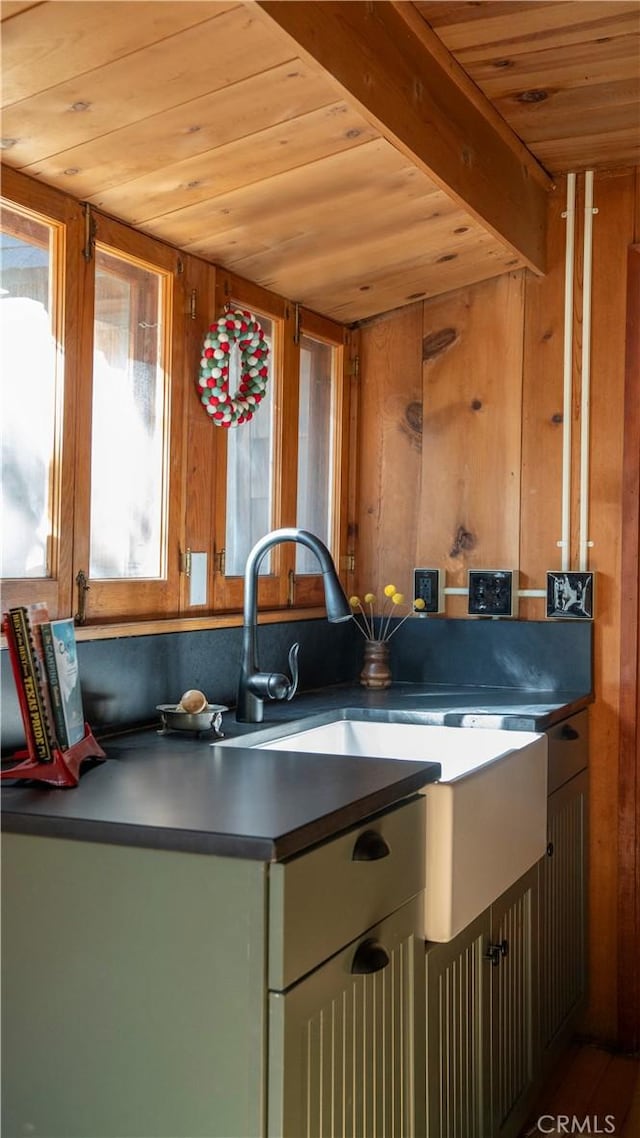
[(255, 686)]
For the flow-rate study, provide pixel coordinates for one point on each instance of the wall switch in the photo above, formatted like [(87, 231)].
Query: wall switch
[(198, 579), (492, 592), (570, 596), (427, 586)]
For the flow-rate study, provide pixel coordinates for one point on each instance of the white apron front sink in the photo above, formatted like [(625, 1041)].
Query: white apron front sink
[(486, 816)]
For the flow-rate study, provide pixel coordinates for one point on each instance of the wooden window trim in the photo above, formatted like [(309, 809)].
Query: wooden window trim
[(197, 453), (51, 205), (228, 590), (139, 598)]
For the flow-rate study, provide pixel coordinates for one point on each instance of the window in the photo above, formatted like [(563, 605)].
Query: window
[(129, 482), (249, 505), (129, 413), (31, 384), (315, 446), (112, 472)]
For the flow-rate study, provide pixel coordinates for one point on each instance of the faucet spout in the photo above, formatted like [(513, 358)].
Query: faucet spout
[(255, 686)]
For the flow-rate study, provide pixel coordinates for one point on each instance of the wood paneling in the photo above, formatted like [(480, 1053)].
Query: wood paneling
[(381, 56), (390, 461), (472, 407), (200, 123), (564, 76), (542, 416), (354, 173), (488, 491)]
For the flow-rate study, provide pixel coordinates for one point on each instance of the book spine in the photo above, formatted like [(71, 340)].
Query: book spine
[(54, 684), (37, 614), (37, 728)]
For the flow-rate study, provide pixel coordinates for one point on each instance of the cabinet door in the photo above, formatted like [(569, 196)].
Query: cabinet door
[(514, 1032), (458, 1034), (563, 911), (346, 1047)]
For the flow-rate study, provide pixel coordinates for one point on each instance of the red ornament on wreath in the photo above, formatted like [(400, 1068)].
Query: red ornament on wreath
[(236, 326)]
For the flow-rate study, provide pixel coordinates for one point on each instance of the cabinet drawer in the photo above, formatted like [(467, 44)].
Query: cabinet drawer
[(346, 1044), (568, 749), (324, 898)]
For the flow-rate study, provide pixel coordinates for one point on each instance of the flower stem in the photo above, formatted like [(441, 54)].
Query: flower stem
[(398, 625)]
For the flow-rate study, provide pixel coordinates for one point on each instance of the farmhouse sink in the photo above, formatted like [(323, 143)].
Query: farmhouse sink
[(486, 816)]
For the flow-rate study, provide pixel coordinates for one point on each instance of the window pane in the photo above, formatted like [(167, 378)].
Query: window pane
[(249, 470), (315, 441), (128, 423), (29, 369)]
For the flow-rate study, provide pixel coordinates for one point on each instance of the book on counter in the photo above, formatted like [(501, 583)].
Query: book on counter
[(61, 662), (31, 683)]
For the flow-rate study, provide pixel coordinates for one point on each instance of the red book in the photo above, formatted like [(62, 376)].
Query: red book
[(24, 663)]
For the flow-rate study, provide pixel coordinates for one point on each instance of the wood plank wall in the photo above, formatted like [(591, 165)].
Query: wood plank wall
[(460, 460)]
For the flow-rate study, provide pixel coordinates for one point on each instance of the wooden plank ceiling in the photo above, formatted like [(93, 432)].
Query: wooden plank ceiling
[(564, 76), (205, 123)]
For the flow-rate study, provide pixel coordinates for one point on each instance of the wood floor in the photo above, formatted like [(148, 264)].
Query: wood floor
[(592, 1092)]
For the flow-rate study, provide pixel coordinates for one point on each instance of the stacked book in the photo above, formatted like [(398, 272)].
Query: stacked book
[(45, 667)]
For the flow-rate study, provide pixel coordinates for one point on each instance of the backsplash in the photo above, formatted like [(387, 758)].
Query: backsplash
[(124, 679), (528, 654)]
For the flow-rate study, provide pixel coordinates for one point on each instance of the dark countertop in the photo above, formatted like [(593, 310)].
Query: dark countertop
[(178, 792)]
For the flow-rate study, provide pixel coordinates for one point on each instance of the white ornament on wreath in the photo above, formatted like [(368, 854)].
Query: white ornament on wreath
[(237, 326)]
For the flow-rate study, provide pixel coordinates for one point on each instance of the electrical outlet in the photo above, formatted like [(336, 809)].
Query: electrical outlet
[(426, 586), (492, 593), (570, 596)]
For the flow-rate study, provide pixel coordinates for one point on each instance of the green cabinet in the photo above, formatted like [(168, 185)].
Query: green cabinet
[(504, 995), (346, 1049), (162, 994), (563, 915), (514, 1003), (458, 1034), (481, 1020), (563, 887), (133, 992)]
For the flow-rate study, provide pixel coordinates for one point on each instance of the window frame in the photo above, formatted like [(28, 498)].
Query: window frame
[(197, 451), (282, 587), (306, 589), (134, 598), (53, 207)]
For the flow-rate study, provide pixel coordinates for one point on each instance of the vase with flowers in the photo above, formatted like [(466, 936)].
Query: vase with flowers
[(378, 631)]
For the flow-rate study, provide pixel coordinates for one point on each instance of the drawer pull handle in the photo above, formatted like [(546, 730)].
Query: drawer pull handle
[(370, 846), (568, 732), (370, 956)]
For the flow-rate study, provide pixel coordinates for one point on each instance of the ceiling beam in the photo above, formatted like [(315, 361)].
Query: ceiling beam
[(389, 63)]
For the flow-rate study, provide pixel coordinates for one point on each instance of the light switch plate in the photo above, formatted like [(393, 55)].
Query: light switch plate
[(492, 592), (570, 596)]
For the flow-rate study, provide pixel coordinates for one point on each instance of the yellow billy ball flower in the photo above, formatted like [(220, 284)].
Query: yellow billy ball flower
[(354, 602), (398, 598), (419, 604), (389, 590), (370, 598)]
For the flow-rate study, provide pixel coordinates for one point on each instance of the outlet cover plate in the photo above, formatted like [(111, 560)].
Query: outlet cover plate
[(570, 596), (427, 586), (492, 592)]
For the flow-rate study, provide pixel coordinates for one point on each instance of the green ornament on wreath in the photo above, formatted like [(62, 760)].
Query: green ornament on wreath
[(236, 326)]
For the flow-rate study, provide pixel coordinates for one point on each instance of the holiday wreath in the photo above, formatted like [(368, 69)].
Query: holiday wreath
[(237, 326)]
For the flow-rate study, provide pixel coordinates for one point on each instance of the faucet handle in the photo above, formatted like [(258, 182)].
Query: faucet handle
[(293, 668)]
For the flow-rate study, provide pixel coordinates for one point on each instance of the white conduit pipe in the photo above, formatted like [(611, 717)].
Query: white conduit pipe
[(570, 215), (586, 370)]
